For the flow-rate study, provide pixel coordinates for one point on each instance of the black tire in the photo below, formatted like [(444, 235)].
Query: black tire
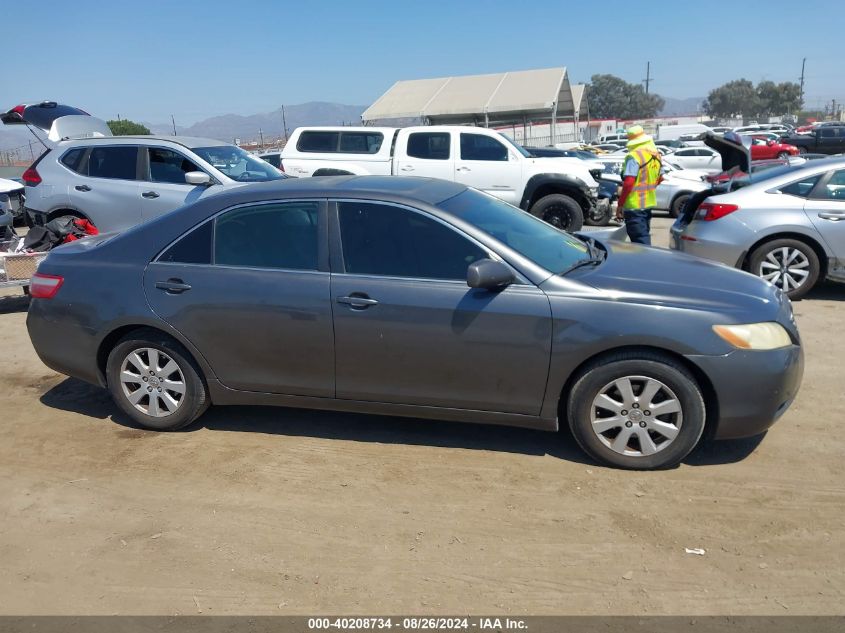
[(760, 256), (560, 211), (597, 376), (802, 150), (678, 204), (599, 215), (192, 403)]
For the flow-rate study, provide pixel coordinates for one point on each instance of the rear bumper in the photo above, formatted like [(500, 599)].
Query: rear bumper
[(35, 218), (753, 388), (687, 239)]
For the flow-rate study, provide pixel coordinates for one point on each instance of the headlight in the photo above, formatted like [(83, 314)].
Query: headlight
[(754, 335)]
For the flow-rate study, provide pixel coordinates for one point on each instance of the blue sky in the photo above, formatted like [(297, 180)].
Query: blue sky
[(148, 59)]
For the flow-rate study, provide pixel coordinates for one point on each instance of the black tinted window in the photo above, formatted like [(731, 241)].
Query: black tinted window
[(385, 240), (169, 166), (801, 188), (73, 158), (480, 147), (282, 235), (431, 145), (113, 162), (318, 141), (274, 159), (360, 142), (193, 248)]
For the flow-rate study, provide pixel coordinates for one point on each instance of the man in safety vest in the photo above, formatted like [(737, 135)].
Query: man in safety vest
[(640, 177)]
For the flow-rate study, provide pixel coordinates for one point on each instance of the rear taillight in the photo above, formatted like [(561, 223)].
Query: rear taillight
[(44, 286), (709, 211), (19, 110), (31, 177)]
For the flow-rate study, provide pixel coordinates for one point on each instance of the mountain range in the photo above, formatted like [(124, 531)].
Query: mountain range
[(228, 127)]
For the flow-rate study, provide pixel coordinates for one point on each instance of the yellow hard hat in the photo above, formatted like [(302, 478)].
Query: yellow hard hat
[(637, 136)]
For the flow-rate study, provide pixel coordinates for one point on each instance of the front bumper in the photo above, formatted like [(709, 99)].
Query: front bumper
[(753, 388)]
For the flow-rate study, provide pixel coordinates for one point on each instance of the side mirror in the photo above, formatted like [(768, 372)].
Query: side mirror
[(489, 274), (197, 178)]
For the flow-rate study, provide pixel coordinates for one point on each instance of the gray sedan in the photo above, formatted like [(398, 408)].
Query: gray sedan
[(417, 297), (786, 226)]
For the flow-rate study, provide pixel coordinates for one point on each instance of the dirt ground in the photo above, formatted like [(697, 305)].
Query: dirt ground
[(274, 511)]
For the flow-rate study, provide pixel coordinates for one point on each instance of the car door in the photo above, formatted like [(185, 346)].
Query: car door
[(164, 188), (408, 329), (106, 189), (250, 290), (826, 209), (487, 164), (427, 154), (686, 158)]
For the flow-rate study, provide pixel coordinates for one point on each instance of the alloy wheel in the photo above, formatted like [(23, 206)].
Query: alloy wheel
[(636, 416), (787, 268), (152, 382)]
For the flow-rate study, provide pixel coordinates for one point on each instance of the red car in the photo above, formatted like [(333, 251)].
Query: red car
[(763, 148)]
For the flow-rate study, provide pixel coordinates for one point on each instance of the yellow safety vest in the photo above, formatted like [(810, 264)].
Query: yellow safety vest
[(644, 193)]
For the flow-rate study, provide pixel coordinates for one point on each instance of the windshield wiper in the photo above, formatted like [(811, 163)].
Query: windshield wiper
[(587, 261)]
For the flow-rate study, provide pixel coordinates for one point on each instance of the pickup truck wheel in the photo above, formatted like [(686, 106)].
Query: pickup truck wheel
[(559, 210)]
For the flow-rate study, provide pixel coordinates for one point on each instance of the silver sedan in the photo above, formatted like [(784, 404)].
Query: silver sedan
[(786, 226)]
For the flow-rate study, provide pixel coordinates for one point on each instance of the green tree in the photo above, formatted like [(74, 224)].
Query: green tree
[(735, 98), (614, 98), (125, 127)]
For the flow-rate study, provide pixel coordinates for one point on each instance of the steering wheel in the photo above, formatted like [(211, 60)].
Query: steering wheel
[(243, 176)]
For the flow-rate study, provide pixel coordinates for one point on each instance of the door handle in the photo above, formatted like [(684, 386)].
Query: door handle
[(832, 215), (150, 194), (407, 168), (357, 301), (82, 188), (173, 286), (463, 169)]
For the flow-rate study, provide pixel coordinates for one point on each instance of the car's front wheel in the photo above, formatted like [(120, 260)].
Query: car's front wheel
[(153, 379), (560, 211), (789, 264), (633, 410)]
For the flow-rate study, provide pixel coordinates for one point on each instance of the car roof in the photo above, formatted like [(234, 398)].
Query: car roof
[(186, 141), (428, 190)]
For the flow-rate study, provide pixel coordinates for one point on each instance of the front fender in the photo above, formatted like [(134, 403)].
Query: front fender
[(563, 183)]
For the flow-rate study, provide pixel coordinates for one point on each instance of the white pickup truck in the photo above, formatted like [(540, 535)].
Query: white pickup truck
[(562, 191)]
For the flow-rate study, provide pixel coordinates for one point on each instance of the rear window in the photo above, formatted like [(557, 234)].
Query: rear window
[(72, 158), (118, 162), (430, 145), (329, 142)]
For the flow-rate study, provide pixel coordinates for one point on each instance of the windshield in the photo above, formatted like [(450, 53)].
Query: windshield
[(518, 148), (238, 165), (543, 244)]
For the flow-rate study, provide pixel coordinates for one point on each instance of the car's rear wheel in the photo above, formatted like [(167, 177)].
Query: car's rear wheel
[(154, 380), (560, 211), (634, 410), (789, 264), (678, 204)]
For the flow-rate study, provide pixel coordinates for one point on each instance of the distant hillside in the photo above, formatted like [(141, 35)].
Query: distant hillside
[(675, 107), (231, 126)]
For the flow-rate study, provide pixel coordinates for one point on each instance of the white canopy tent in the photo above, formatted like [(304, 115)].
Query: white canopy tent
[(495, 99)]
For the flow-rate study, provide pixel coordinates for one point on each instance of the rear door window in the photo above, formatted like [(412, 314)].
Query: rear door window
[(280, 235), (192, 248), (833, 189), (801, 188), (73, 158), (116, 162), (429, 145)]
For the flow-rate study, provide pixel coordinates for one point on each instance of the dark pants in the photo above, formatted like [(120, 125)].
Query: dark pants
[(638, 225)]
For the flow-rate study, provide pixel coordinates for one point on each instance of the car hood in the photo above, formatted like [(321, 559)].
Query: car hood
[(654, 276), (57, 121), (9, 185), (733, 149)]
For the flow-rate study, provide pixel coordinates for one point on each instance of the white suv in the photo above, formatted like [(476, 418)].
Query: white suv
[(117, 182)]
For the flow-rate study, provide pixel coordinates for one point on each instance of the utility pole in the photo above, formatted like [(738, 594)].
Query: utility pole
[(261, 136), (801, 92), (284, 125), (648, 78), (173, 121)]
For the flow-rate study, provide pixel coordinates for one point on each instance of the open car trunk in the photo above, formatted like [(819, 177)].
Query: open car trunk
[(56, 121)]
